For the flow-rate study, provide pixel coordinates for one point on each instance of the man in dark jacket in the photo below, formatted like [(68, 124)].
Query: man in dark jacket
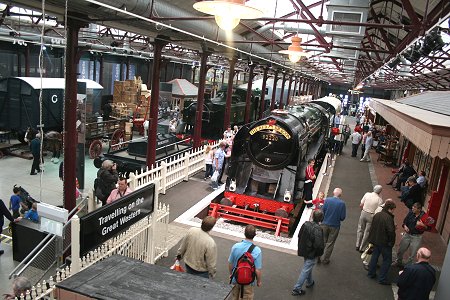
[(4, 212), (413, 194), (416, 281), (310, 246), (35, 148), (382, 236), (412, 237)]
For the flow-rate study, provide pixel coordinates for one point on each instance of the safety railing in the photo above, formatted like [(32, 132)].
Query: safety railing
[(47, 253), (146, 240)]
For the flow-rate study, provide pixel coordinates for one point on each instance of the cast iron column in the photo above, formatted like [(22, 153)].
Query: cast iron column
[(262, 106), (295, 86), (274, 90), (214, 78), (100, 72), (226, 120), (159, 44), (288, 91), (300, 86), (283, 82), (308, 83), (70, 116), (249, 93), (200, 98), (149, 75), (193, 74)]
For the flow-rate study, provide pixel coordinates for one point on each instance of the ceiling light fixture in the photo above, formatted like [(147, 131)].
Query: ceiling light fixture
[(295, 51), (228, 13)]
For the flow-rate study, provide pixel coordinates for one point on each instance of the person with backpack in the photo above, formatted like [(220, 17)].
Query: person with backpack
[(310, 246), (245, 264)]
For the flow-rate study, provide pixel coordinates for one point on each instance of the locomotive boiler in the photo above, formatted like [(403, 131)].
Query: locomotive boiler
[(266, 170)]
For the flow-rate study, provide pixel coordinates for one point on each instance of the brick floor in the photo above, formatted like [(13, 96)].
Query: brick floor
[(431, 240)]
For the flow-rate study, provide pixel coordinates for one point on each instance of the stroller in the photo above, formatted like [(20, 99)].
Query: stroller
[(26, 201)]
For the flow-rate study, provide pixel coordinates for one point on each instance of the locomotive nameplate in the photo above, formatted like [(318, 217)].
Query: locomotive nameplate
[(270, 127)]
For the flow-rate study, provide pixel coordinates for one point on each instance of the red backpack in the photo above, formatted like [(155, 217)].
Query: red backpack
[(245, 272)]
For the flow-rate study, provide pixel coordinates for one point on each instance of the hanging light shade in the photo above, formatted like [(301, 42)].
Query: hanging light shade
[(295, 51), (228, 13)]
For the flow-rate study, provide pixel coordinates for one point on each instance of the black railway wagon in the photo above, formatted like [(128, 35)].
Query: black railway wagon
[(19, 102)]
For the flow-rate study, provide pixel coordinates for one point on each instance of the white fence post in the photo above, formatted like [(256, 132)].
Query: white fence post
[(187, 155), (153, 232), (133, 183), (91, 201), (163, 177), (75, 243)]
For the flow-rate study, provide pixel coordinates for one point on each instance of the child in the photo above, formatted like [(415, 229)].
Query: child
[(209, 153), (32, 213), (14, 203), (316, 203), (319, 201)]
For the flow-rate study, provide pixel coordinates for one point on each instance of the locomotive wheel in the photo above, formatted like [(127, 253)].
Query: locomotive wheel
[(95, 149), (281, 213), (226, 202), (1, 154), (117, 137)]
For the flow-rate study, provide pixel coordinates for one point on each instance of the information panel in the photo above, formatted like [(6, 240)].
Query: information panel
[(109, 220)]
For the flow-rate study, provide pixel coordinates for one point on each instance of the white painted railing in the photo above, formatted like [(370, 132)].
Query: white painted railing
[(172, 171), (146, 240)]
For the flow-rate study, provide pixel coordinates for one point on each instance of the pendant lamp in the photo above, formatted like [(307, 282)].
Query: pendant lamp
[(228, 13), (295, 51)]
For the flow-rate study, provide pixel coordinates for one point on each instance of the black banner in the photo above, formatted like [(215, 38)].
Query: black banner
[(109, 220)]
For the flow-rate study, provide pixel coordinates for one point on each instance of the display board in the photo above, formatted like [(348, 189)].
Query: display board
[(111, 219)]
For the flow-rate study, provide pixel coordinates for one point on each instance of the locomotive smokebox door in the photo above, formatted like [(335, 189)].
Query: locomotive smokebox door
[(271, 144)]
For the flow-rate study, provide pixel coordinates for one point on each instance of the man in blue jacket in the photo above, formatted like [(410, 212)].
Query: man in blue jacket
[(334, 213)]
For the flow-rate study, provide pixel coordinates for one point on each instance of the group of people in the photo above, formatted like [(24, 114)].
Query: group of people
[(105, 183), (18, 209), (412, 186), (215, 160), (376, 231), (376, 226), (199, 252)]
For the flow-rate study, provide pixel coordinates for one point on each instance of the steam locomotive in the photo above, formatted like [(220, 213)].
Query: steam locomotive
[(266, 171), (214, 111)]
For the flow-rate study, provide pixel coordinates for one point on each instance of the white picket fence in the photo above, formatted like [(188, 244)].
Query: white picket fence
[(146, 240), (172, 171)]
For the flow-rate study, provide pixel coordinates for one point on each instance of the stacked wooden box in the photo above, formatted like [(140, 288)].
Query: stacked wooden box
[(122, 110), (128, 91)]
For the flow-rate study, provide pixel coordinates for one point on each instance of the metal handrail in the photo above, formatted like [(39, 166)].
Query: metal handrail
[(48, 239), (30, 255)]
